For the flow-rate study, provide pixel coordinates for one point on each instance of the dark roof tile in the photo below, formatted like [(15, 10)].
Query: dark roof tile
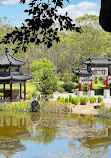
[(82, 72), (98, 61), (8, 60)]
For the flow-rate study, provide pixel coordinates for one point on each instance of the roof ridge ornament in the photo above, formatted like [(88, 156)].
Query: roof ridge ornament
[(6, 50), (91, 57)]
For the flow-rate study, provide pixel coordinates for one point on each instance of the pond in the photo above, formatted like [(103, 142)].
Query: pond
[(34, 135)]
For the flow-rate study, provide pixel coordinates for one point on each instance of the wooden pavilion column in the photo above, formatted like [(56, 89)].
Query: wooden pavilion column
[(20, 90), (24, 90), (80, 84), (4, 91), (91, 86), (106, 82), (11, 92)]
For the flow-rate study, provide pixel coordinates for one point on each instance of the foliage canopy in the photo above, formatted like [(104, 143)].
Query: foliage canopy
[(42, 26), (44, 72)]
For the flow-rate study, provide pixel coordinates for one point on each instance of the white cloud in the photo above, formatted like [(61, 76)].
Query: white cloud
[(80, 9), (11, 2), (7, 2), (17, 16)]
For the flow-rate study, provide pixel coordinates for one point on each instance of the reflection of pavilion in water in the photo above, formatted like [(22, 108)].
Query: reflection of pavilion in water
[(102, 137), (11, 128)]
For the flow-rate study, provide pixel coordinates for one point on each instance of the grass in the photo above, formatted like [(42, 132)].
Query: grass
[(54, 107), (21, 106), (30, 87)]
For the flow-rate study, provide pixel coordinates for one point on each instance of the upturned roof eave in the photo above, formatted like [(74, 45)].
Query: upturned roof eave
[(9, 60), (92, 63), (78, 72), (21, 61)]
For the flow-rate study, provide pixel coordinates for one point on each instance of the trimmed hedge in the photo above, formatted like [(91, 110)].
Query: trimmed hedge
[(92, 100), (70, 98), (59, 98), (100, 99), (83, 100), (66, 100), (75, 101), (63, 99)]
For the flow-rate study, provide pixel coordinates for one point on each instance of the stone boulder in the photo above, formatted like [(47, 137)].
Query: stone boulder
[(35, 106)]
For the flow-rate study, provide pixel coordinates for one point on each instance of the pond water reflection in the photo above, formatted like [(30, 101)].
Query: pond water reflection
[(53, 136)]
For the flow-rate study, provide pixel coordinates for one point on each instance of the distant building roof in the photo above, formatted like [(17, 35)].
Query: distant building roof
[(81, 71), (8, 60), (98, 60)]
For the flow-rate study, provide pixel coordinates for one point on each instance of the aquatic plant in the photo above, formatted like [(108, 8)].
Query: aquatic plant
[(102, 105), (55, 107), (19, 106)]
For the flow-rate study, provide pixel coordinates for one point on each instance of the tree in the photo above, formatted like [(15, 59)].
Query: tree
[(43, 72), (40, 28)]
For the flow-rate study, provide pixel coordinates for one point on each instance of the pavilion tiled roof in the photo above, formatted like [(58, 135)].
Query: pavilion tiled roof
[(81, 71), (14, 76), (98, 61), (8, 60)]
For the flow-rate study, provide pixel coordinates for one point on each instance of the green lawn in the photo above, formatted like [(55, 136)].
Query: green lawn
[(30, 87)]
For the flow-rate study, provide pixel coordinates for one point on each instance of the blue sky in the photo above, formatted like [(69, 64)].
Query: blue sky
[(15, 11)]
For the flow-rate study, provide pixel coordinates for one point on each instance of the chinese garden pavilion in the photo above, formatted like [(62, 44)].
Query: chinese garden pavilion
[(95, 67), (10, 73)]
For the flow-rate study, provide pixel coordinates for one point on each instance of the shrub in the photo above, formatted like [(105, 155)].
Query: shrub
[(60, 89), (75, 101), (98, 90), (37, 94), (51, 96), (68, 86), (70, 98), (100, 99), (52, 107), (85, 88), (66, 100), (92, 99), (74, 78), (102, 105), (66, 77), (83, 100), (21, 106), (34, 94), (59, 98), (63, 100), (84, 93), (29, 97)]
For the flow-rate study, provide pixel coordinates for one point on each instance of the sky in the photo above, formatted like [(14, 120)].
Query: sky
[(14, 11)]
